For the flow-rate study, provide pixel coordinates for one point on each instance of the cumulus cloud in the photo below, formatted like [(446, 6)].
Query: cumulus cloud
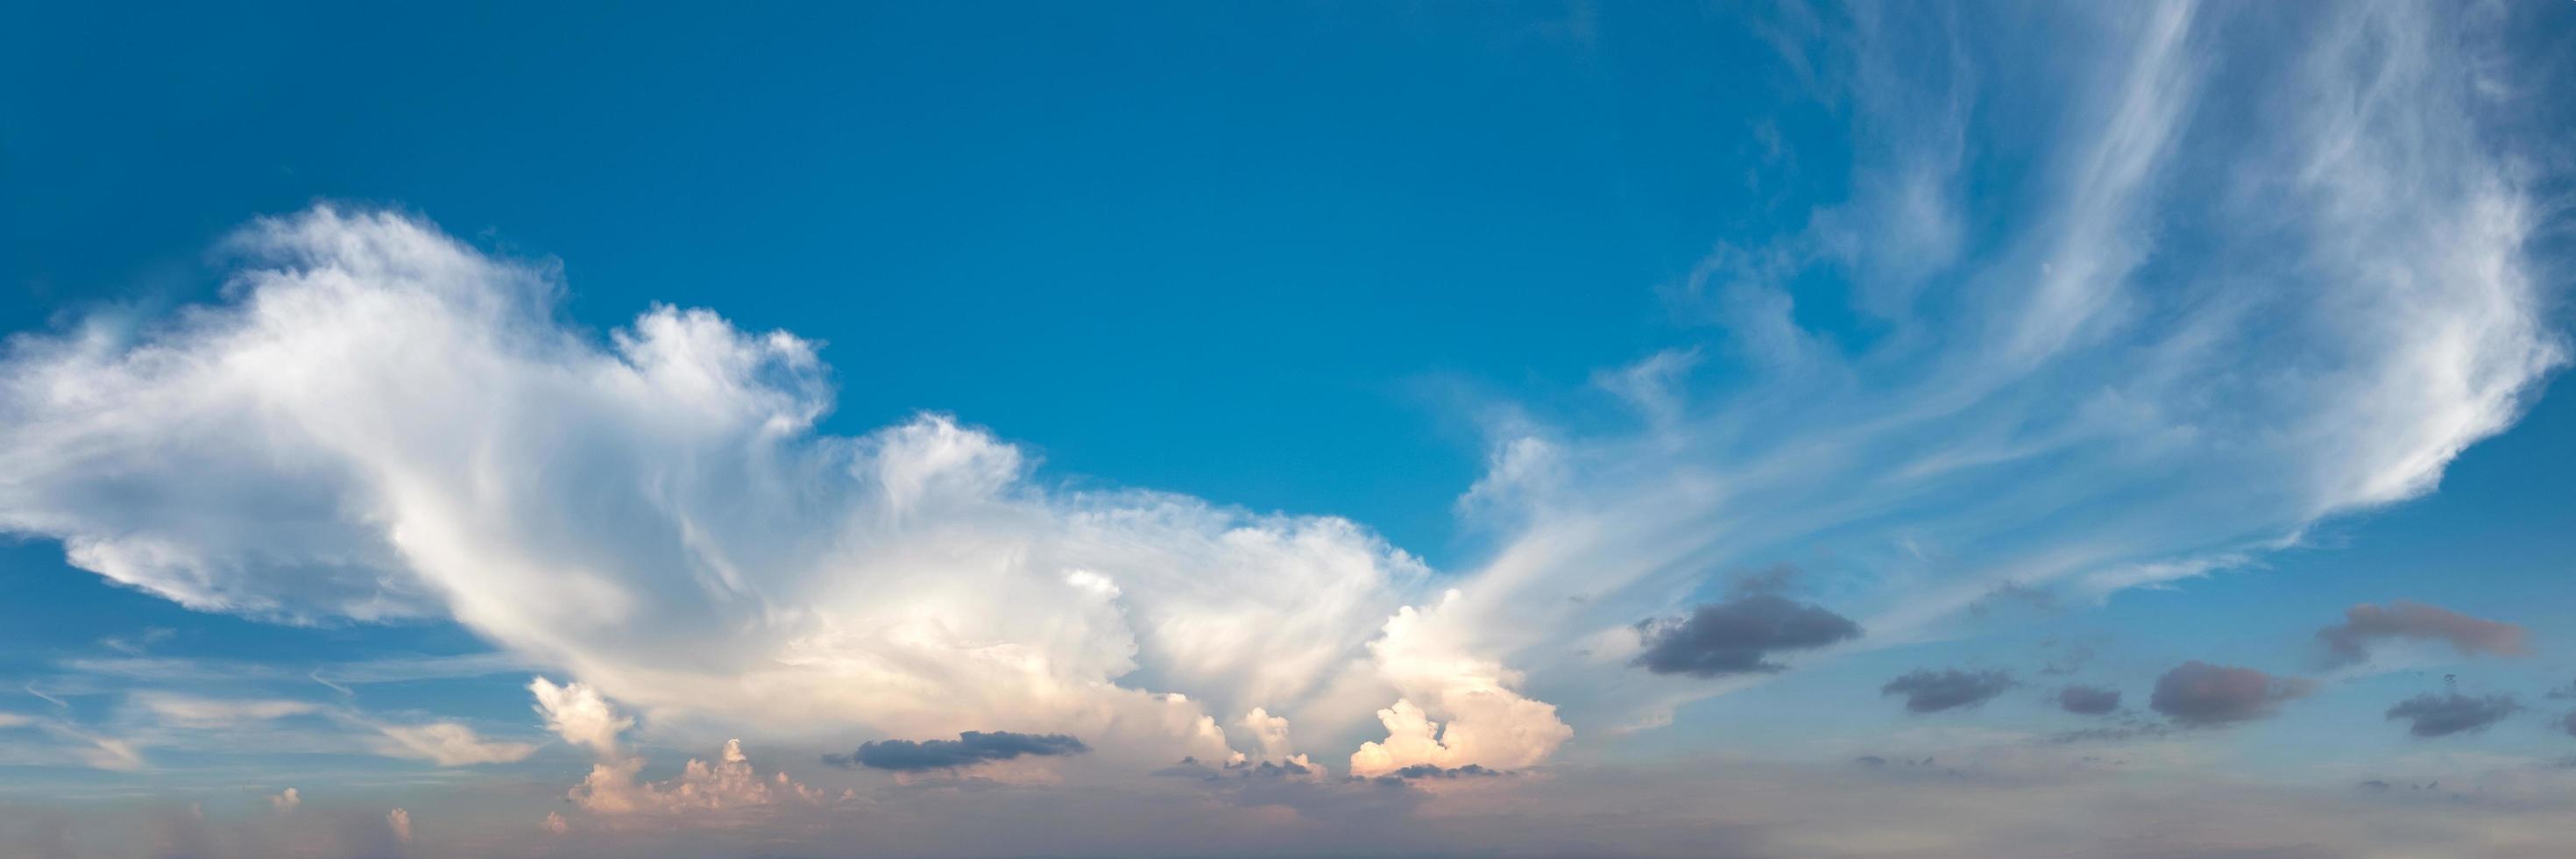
[(286, 801), (2365, 624), (555, 824), (2434, 715), (970, 748), (703, 789), (1928, 691), (2088, 700), (2200, 694), (382, 422), (1427, 654), (399, 821), (1738, 635), (577, 713)]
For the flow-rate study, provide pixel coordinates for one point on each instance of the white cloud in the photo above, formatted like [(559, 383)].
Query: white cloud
[(383, 422), (286, 801), (192, 712), (2194, 337), (1424, 654), (399, 821), (577, 713), (729, 784), (447, 744)]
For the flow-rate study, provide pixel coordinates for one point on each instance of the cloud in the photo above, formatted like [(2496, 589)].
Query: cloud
[(193, 712), (399, 821), (2200, 694), (2443, 715), (1418, 771), (1269, 733), (379, 422), (1928, 691), (970, 748), (447, 744), (1430, 657), (703, 790), (2365, 624), (2070, 410), (382, 422), (2088, 700), (577, 713), (286, 801), (1737, 636)]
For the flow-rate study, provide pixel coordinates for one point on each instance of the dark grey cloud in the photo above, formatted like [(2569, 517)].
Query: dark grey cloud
[(1431, 771), (1190, 767), (2365, 624), (1928, 691), (2200, 694), (1428, 771), (2442, 715), (1737, 636), (2088, 700), (971, 747)]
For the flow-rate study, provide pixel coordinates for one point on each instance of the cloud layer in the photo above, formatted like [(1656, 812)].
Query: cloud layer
[(970, 748)]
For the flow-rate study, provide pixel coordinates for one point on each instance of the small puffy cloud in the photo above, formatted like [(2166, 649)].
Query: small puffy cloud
[(2198, 693), (1928, 691), (400, 822), (2088, 700), (286, 801), (2442, 715), (447, 744), (577, 713), (1738, 635), (970, 748), (2365, 625), (555, 823)]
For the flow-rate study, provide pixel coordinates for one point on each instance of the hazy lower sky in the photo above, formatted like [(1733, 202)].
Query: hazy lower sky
[(1655, 429)]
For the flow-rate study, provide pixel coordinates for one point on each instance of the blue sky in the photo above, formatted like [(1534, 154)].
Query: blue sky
[(1750, 422)]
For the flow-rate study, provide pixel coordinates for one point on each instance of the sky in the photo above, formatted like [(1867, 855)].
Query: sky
[(1399, 429)]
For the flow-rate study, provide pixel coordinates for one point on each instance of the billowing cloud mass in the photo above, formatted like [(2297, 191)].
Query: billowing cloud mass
[(970, 748), (2198, 693), (1737, 636), (2349, 642), (575, 712), (2088, 700), (386, 423), (2442, 715), (286, 801), (399, 821), (729, 785), (1929, 691)]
